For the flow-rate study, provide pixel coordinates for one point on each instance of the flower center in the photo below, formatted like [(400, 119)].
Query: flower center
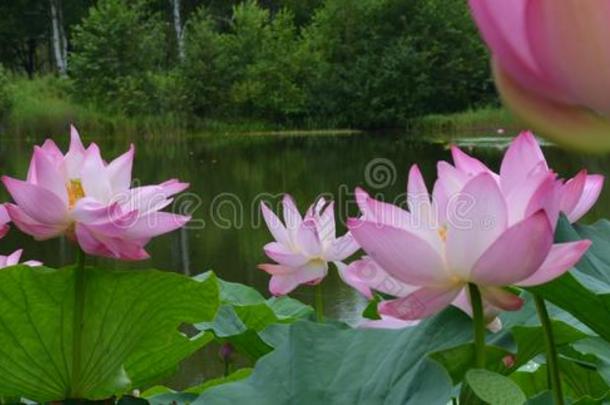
[(75, 192), (317, 261), (442, 232)]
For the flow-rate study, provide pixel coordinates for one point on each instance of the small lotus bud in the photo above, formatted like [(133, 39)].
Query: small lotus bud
[(509, 361), (226, 351)]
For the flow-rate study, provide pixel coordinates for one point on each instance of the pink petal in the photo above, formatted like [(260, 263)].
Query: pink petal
[(89, 211), (145, 199), (365, 275), (94, 180), (402, 254), (30, 197), (490, 312), (32, 227), (381, 212), (446, 188), (556, 120), (349, 275), (386, 322), (4, 230), (50, 149), (501, 298), (325, 223), (503, 26), (48, 177), (173, 186), (539, 191), (276, 269), (292, 217), (99, 245), (315, 209), (520, 160), (275, 226), (342, 248), (468, 164), (478, 216), (425, 302), (4, 220), (155, 224), (13, 258), (75, 156), (590, 194), (282, 284), (284, 256), (119, 171), (418, 197), (308, 240), (516, 254), (561, 258), (572, 191), (573, 31)]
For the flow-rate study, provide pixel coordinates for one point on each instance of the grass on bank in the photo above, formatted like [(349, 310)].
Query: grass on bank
[(487, 120), (45, 106)]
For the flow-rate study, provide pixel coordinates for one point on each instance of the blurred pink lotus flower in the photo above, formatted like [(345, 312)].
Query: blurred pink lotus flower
[(479, 227), (551, 62), (80, 195), (13, 260), (303, 246)]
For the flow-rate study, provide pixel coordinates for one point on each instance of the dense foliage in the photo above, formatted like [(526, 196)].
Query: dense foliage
[(371, 63), (5, 97)]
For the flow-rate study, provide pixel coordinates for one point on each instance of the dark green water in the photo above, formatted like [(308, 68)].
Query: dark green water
[(229, 174)]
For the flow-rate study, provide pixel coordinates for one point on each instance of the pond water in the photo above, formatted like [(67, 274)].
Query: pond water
[(230, 174)]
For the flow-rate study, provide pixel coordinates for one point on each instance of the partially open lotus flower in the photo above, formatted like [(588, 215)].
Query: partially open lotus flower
[(90, 201), (13, 260), (479, 227), (551, 64), (303, 246)]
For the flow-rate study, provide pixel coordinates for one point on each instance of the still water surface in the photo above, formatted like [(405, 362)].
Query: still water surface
[(229, 174)]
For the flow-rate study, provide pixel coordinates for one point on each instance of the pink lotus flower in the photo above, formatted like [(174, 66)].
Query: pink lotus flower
[(551, 63), (13, 260), (482, 228), (303, 246), (80, 195)]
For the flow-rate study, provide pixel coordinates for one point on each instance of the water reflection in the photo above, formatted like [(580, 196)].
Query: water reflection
[(228, 175)]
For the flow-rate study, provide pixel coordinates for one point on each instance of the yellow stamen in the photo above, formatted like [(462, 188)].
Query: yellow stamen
[(75, 192), (442, 232)]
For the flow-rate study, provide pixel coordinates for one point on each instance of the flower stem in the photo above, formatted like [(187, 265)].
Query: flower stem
[(319, 303), (79, 304), (479, 325), (551, 351)]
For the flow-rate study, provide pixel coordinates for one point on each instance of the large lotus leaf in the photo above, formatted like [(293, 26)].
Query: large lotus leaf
[(130, 332), (329, 363), (585, 291), (245, 313)]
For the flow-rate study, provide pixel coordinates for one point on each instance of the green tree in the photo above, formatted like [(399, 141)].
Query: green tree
[(383, 62), (117, 48)]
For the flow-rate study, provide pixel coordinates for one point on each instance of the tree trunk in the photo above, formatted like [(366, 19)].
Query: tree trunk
[(58, 41), (62, 35), (178, 28)]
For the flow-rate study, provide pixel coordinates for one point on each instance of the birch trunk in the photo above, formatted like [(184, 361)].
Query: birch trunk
[(58, 46), (178, 28)]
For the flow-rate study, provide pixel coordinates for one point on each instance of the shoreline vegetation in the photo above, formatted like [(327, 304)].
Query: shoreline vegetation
[(241, 66), (44, 104)]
